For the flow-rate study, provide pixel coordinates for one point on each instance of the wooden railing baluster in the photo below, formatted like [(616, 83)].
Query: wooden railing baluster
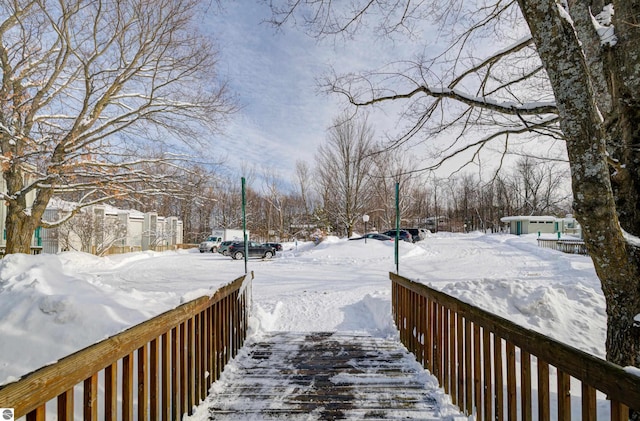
[(460, 359), (487, 390), (37, 414), (564, 396), (154, 379), (588, 403), (65, 405), (90, 401), (446, 365), (544, 404), (468, 369), (498, 387), (143, 383), (111, 392), (176, 410), (165, 370), (127, 388), (477, 372), (512, 398)]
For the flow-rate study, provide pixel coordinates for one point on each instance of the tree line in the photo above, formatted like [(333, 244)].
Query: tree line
[(352, 176)]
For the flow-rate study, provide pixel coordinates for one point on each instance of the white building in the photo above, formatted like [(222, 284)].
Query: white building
[(519, 225), (104, 229), (99, 229)]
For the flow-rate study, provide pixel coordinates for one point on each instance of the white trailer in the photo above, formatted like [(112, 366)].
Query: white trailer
[(212, 243)]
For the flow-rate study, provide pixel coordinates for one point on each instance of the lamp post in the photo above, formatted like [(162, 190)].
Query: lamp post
[(365, 219)]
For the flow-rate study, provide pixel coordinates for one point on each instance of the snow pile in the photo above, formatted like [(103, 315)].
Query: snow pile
[(54, 305)]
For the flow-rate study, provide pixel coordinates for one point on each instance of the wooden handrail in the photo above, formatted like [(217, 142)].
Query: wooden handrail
[(184, 349), (473, 354)]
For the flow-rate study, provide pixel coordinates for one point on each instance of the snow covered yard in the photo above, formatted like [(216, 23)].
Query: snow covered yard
[(52, 305)]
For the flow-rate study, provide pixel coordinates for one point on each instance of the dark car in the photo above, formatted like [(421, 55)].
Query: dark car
[(224, 248), (236, 250), (402, 234), (276, 246), (374, 236), (417, 233)]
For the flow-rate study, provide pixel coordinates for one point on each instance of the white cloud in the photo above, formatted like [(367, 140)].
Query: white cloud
[(274, 73)]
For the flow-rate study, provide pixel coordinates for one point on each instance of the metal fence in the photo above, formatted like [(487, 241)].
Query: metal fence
[(565, 245)]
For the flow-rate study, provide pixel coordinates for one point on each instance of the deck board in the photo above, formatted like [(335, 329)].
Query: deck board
[(323, 376)]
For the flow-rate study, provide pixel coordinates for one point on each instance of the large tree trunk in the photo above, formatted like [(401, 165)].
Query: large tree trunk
[(615, 259), (622, 64), (21, 220), (18, 234)]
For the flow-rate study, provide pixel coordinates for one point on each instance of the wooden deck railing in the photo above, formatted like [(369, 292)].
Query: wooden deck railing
[(496, 369), (158, 370)]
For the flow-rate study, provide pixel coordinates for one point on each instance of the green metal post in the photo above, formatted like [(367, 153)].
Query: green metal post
[(397, 227), (244, 226)]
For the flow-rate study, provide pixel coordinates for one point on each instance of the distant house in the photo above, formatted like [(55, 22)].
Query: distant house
[(519, 225), (98, 229), (433, 223), (104, 229)]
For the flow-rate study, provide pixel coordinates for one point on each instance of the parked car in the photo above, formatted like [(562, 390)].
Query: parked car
[(236, 250), (224, 248), (276, 246), (374, 236), (402, 234), (417, 233)]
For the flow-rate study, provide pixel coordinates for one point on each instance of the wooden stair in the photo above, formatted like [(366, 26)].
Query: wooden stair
[(323, 376)]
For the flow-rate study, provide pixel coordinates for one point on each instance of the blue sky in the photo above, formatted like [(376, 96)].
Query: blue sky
[(274, 75), (284, 117)]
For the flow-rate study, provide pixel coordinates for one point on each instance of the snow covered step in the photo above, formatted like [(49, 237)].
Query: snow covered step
[(320, 376)]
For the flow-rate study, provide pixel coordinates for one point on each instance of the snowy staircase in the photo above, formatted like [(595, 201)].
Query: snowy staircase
[(323, 376)]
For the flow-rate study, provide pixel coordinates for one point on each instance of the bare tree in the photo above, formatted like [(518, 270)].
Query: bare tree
[(574, 76), (83, 228), (276, 199), (538, 186), (303, 179), (91, 232), (85, 87), (388, 168), (193, 204), (107, 232), (343, 164)]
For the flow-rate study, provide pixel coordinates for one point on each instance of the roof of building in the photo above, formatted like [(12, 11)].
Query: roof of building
[(529, 218)]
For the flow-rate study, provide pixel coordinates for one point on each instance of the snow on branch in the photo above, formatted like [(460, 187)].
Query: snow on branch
[(563, 8), (604, 27), (630, 239)]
